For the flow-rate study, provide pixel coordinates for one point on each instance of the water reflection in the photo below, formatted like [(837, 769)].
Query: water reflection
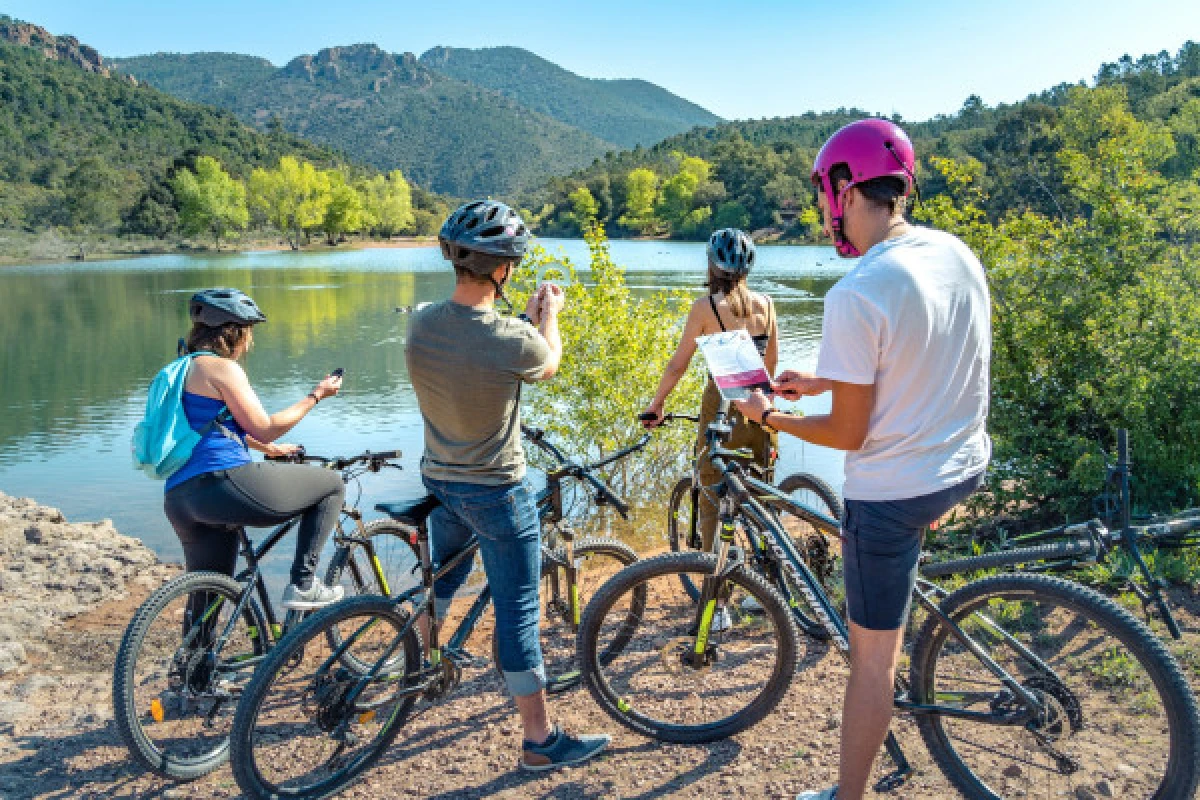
[(81, 342)]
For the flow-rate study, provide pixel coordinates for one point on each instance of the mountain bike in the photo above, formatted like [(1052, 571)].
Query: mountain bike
[(805, 506), (1021, 685), (329, 700), (1072, 547), (193, 643)]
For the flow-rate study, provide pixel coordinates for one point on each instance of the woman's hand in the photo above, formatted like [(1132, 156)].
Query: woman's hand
[(656, 409), (280, 450), (328, 387)]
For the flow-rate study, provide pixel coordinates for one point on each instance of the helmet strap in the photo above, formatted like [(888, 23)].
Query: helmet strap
[(838, 218), (500, 288)]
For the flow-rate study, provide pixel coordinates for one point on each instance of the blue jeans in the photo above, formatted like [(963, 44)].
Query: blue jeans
[(505, 519)]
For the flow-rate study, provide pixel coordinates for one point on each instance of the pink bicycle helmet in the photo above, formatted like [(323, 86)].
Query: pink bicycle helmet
[(870, 148)]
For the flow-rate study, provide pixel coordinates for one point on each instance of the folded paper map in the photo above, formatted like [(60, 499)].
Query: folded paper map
[(734, 363)]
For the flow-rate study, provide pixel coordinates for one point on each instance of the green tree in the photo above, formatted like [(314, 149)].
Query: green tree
[(345, 210), (641, 193), (210, 201), (90, 190), (677, 200), (294, 197), (731, 214), (389, 202), (1096, 317), (584, 209)]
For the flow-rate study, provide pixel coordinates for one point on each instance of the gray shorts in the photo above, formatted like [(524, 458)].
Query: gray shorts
[(881, 543)]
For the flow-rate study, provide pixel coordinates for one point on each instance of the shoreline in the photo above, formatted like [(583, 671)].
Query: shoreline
[(63, 251)]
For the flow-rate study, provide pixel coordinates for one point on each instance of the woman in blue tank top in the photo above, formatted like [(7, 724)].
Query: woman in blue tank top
[(221, 489), (729, 305)]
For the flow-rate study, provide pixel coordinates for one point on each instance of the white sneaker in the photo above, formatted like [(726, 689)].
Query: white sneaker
[(721, 621), (316, 596), (823, 794)]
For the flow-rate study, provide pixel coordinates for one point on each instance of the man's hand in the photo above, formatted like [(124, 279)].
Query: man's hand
[(792, 385), (754, 406), (533, 307), (553, 298)]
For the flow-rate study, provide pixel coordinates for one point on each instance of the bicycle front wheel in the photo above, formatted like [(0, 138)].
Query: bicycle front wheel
[(652, 685), (174, 685), (307, 725), (384, 563), (1115, 715)]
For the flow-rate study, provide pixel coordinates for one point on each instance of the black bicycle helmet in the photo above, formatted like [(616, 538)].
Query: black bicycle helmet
[(731, 250), (484, 226), (215, 307)]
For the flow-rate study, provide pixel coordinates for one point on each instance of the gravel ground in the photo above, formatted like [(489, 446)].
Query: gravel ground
[(58, 740)]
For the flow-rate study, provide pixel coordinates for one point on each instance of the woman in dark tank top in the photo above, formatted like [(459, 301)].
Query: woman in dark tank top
[(729, 305)]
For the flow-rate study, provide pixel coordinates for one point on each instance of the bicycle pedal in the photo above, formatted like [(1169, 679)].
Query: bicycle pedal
[(464, 658)]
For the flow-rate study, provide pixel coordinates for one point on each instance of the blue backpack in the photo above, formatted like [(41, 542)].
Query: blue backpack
[(163, 441)]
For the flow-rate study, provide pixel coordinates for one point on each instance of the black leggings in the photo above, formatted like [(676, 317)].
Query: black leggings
[(207, 511)]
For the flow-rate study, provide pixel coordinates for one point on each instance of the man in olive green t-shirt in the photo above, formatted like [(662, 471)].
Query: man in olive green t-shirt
[(467, 365)]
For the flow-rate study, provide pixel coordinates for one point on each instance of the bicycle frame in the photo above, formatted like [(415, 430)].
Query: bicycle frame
[(252, 583)]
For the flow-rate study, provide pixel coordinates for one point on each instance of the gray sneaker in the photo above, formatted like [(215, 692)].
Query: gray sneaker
[(561, 750), (316, 596)]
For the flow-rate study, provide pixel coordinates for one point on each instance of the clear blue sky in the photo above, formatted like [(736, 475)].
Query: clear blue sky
[(758, 58)]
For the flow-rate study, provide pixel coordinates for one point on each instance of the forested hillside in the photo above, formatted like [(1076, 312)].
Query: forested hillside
[(755, 173), (81, 148), (625, 112), (387, 110)]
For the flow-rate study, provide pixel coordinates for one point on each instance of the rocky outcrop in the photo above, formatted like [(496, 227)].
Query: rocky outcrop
[(59, 48), (379, 67), (52, 570)]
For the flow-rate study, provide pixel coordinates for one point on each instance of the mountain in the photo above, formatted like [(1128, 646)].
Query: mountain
[(626, 112), (81, 143), (387, 110)]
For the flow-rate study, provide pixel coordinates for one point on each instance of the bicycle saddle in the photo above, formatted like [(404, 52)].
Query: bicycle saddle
[(413, 513)]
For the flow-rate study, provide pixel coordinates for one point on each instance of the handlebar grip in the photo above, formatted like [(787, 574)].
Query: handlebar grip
[(387, 455), (646, 416)]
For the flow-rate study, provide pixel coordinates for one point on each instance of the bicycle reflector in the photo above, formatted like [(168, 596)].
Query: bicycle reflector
[(156, 710)]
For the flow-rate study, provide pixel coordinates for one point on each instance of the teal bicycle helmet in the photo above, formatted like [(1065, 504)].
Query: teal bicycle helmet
[(216, 307)]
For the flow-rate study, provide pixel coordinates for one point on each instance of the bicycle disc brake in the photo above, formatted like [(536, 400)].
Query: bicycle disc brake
[(325, 699), (676, 658)]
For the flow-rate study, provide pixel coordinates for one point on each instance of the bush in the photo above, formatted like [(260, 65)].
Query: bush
[(1096, 319), (615, 347)]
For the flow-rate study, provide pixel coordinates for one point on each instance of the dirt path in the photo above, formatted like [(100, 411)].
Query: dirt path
[(58, 740)]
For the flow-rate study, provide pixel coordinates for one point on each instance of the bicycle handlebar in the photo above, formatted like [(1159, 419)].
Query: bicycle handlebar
[(605, 495), (375, 460)]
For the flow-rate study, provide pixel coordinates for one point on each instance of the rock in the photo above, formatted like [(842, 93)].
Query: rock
[(1084, 793), (13, 710), (34, 535), (1127, 770), (1012, 771), (12, 655), (1104, 788)]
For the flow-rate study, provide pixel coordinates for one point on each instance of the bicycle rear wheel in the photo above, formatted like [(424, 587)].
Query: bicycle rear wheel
[(596, 560), (683, 533), (173, 694), (649, 684), (297, 733), (1117, 716)]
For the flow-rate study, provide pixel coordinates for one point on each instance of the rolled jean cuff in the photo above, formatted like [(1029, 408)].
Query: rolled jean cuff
[(527, 681)]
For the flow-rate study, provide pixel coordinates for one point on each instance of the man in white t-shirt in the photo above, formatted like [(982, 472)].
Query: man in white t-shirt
[(905, 350)]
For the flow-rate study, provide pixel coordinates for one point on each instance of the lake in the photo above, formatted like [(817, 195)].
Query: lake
[(81, 342)]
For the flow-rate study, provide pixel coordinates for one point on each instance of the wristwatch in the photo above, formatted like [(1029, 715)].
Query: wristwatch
[(763, 422), (524, 317)]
